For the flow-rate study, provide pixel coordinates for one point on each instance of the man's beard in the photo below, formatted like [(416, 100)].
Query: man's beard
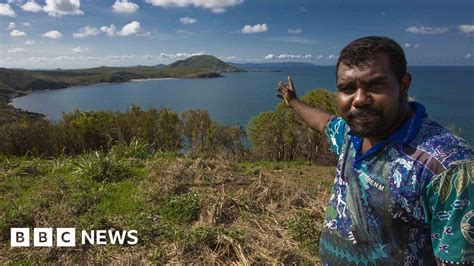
[(375, 122), (367, 128)]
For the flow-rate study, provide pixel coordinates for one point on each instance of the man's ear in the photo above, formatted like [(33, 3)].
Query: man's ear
[(406, 81)]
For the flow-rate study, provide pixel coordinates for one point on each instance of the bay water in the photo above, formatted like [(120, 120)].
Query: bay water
[(446, 92)]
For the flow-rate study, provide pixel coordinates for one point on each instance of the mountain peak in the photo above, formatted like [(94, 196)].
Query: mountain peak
[(208, 62)]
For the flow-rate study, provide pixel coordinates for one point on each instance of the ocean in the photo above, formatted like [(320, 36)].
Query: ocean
[(446, 92)]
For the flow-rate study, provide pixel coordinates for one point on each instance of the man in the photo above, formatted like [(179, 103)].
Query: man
[(404, 184)]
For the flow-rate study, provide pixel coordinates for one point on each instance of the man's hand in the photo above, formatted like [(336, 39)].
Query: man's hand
[(314, 117), (287, 92)]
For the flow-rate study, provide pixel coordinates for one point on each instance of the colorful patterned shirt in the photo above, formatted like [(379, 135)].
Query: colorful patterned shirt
[(407, 200)]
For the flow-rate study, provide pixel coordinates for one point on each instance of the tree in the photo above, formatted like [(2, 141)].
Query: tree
[(282, 135)]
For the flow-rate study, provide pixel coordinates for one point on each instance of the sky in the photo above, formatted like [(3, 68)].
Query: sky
[(90, 33)]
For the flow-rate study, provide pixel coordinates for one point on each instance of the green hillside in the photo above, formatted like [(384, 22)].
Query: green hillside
[(205, 62)]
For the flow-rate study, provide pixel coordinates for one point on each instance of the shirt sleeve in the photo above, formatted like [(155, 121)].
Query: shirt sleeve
[(450, 213), (335, 130)]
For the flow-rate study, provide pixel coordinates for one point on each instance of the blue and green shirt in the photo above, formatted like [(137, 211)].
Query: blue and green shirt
[(407, 200)]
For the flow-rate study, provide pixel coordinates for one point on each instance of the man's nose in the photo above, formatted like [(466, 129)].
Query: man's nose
[(361, 98)]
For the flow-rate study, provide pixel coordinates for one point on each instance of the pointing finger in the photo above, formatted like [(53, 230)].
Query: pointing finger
[(290, 83)]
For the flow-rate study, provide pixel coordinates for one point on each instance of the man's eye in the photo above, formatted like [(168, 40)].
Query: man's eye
[(345, 88), (376, 86)]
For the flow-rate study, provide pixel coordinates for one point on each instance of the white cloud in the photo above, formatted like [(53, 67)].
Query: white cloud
[(17, 33), (16, 50), (187, 20), (6, 10), (319, 57), (30, 42), (255, 28), (426, 30), (54, 34), (179, 55), (466, 28), (295, 31), (57, 8), (228, 58), (216, 6), (409, 45), (86, 32), (31, 6), (290, 56), (79, 50), (37, 59), (468, 56), (332, 57), (269, 56), (124, 6), (132, 28), (11, 26), (110, 30), (26, 24), (294, 56)]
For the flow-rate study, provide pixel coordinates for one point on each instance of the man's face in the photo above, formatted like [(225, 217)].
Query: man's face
[(369, 98)]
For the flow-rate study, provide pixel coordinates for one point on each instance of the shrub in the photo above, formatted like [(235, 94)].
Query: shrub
[(102, 168), (21, 137), (282, 135), (209, 139), (136, 149), (80, 132)]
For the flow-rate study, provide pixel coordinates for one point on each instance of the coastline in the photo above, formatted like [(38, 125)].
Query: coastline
[(22, 112), (140, 80)]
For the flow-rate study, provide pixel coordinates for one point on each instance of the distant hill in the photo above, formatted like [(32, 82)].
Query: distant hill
[(208, 62), (271, 65), (15, 82)]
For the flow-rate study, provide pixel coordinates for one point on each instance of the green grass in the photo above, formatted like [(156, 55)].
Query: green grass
[(304, 229), (121, 200), (180, 208)]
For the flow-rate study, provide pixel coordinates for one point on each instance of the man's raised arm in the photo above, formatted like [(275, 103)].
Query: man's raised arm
[(314, 117)]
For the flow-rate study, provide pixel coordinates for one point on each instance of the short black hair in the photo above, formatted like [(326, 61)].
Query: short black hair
[(360, 52)]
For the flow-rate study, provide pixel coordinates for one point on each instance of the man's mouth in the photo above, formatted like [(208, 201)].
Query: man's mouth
[(364, 117)]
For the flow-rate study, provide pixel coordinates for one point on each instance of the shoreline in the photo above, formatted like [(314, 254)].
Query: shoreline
[(140, 80)]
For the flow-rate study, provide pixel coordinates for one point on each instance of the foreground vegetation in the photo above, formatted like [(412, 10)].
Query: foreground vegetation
[(189, 186), (185, 209)]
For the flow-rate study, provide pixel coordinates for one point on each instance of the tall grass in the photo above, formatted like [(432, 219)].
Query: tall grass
[(102, 167)]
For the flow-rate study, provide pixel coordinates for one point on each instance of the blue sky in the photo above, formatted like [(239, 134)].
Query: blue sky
[(79, 33)]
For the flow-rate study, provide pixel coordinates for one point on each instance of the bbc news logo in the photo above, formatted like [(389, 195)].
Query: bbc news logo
[(66, 237)]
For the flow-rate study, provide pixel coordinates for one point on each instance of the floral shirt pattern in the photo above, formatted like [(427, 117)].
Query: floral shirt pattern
[(405, 201)]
